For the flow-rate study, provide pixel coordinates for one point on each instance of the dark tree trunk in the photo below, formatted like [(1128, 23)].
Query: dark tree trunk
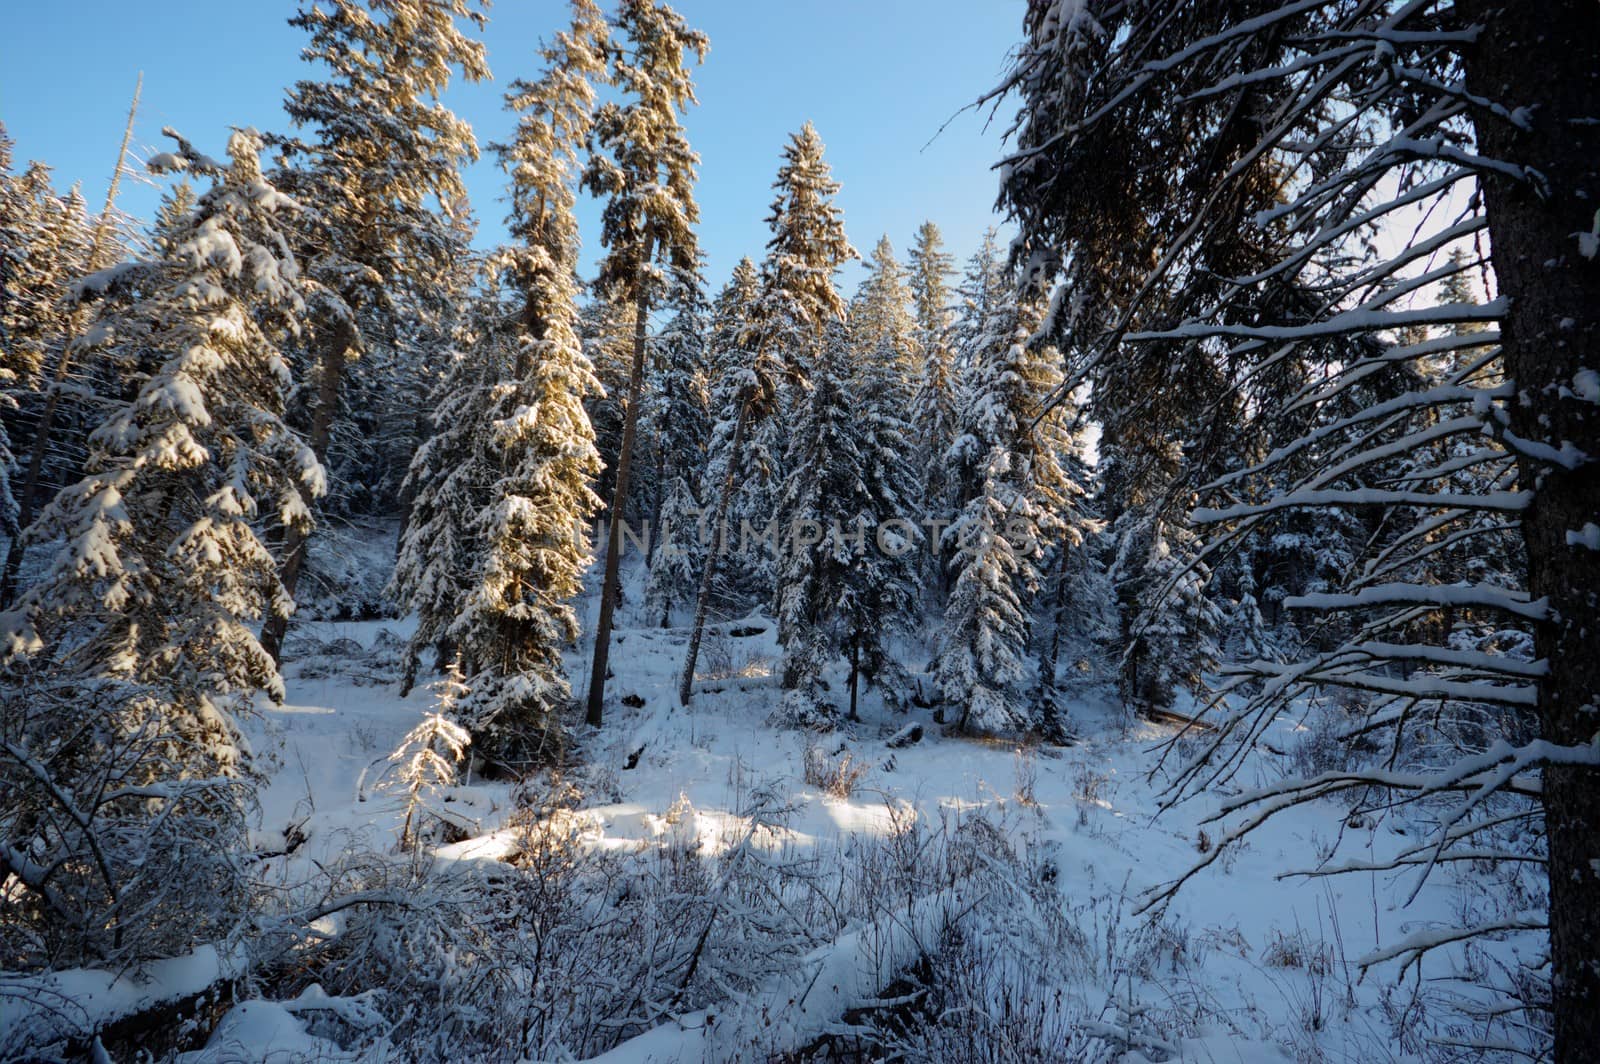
[(1544, 55), (855, 672), (708, 575), (330, 378), (653, 533), (619, 502)]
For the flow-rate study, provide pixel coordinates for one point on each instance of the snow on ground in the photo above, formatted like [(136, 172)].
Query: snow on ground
[(1272, 961)]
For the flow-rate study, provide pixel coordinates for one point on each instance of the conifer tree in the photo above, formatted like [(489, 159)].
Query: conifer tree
[(985, 292), (881, 315), (44, 325), (1219, 248), (846, 579), (425, 761), (606, 328), (447, 485), (163, 520), (1021, 503), (141, 627), (681, 427), (729, 361), (729, 326), (379, 160), (500, 549), (799, 295), (646, 170), (532, 544), (171, 216), (796, 301), (933, 403), (50, 244)]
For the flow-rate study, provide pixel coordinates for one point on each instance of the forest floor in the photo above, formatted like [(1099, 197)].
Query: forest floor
[(1247, 966)]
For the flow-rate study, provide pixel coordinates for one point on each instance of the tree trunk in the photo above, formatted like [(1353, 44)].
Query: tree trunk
[(619, 502), (709, 574), (654, 531), (855, 672), (330, 378), (29, 498), (1544, 55)]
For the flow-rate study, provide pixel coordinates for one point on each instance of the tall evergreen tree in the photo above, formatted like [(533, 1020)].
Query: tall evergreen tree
[(379, 160), (498, 550), (985, 294), (729, 579), (646, 170), (846, 581), (681, 428), (128, 664), (934, 402), (50, 245), (796, 301), (1021, 502), (1205, 237), (881, 314)]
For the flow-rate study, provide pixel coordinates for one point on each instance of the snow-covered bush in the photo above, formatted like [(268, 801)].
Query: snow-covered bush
[(566, 948), (110, 852), (425, 762)]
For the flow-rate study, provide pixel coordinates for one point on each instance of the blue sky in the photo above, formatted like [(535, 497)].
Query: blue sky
[(878, 77)]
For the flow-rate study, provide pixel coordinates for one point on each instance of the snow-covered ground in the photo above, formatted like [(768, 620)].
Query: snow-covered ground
[(1241, 966), (1251, 966)]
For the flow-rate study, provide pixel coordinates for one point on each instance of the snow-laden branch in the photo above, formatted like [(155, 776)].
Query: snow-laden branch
[(1415, 945), (1497, 501), (1341, 324), (1474, 596)]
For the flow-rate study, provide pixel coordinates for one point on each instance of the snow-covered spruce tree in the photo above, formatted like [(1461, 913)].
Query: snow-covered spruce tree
[(984, 293), (425, 761), (881, 314), (646, 170), (46, 246), (497, 547), (796, 300), (127, 665), (846, 581), (799, 293), (724, 572), (447, 485), (1170, 623), (729, 328), (934, 402), (171, 216), (681, 428), (58, 403), (985, 289), (1437, 116), (377, 166), (33, 282), (1021, 501), (531, 536)]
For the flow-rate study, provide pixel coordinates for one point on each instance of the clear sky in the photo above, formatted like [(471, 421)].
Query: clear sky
[(878, 77)]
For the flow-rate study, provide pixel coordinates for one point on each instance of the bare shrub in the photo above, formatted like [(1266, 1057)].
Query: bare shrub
[(1025, 772), (836, 775), (122, 832)]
